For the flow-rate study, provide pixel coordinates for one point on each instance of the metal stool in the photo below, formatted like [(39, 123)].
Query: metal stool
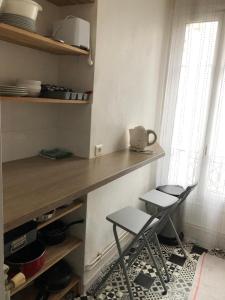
[(173, 190), (167, 236), (162, 201), (141, 225)]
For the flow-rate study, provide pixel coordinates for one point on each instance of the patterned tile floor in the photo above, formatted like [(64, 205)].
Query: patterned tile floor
[(144, 281)]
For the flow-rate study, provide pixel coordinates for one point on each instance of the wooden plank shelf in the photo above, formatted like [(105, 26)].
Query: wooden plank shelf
[(53, 255), (30, 292), (33, 40), (61, 212), (43, 100), (70, 2)]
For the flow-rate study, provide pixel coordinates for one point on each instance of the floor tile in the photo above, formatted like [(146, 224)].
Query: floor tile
[(198, 250), (145, 280), (178, 260)]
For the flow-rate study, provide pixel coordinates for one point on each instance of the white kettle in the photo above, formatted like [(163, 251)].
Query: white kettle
[(139, 138)]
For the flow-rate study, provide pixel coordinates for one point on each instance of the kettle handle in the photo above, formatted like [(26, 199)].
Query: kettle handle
[(155, 137)]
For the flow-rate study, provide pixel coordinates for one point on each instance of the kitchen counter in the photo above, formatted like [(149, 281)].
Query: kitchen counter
[(36, 185)]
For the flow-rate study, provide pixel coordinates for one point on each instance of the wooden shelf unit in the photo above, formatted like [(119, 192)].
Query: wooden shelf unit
[(30, 292), (33, 40), (70, 2), (53, 255), (61, 212), (43, 100)]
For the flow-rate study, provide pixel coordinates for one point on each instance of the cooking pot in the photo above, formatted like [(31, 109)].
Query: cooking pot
[(55, 279), (29, 260), (26, 8), (55, 233)]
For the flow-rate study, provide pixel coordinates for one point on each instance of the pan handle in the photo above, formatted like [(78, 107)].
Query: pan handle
[(67, 226)]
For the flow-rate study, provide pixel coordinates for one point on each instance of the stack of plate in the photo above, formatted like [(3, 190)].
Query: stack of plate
[(11, 90), (18, 21)]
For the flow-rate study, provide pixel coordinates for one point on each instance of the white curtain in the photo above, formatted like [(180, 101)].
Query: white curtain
[(193, 125)]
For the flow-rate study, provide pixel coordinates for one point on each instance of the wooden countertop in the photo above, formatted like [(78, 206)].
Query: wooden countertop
[(34, 186)]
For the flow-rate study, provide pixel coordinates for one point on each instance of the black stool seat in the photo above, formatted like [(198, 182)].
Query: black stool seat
[(173, 190)]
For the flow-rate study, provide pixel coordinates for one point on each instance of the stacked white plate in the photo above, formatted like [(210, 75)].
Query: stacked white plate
[(11, 90), (33, 87), (18, 21)]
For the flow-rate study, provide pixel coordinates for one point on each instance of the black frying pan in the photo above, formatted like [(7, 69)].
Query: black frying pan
[(55, 279), (55, 233)]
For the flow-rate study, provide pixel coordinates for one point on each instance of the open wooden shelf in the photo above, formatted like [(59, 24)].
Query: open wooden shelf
[(30, 292), (53, 255), (70, 2), (61, 212), (33, 40), (43, 100)]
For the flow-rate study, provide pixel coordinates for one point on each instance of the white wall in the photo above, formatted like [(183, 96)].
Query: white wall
[(27, 128), (132, 41)]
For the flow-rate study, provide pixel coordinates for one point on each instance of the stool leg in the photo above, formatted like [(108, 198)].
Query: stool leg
[(162, 258), (177, 237), (138, 251), (155, 264), (122, 262), (117, 262)]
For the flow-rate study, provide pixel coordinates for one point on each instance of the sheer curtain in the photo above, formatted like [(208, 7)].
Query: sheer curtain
[(193, 124)]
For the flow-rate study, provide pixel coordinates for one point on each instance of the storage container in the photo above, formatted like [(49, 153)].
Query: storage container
[(26, 8)]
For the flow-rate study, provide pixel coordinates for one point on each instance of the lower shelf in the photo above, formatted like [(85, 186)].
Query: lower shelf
[(30, 293), (74, 285), (53, 255)]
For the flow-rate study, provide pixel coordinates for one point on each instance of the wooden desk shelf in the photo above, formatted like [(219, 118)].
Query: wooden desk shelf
[(33, 40), (34, 186)]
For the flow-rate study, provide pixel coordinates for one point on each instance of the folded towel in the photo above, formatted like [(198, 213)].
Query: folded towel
[(55, 153)]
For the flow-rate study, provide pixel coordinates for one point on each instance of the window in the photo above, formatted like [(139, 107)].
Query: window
[(193, 102)]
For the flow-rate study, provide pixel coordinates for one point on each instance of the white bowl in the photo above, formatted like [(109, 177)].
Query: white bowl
[(26, 8), (33, 90)]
